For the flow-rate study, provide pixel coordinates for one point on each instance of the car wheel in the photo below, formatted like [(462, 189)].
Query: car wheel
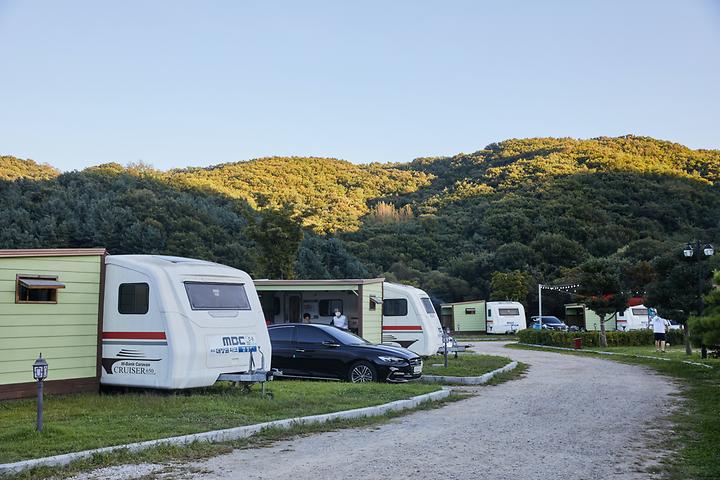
[(362, 372)]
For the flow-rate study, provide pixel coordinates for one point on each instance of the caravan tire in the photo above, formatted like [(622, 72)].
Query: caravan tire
[(362, 372)]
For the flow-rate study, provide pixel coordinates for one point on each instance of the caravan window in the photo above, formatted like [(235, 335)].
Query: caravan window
[(640, 312), (470, 311), (217, 296), (326, 308), (395, 307), (133, 298), (505, 312), (428, 305)]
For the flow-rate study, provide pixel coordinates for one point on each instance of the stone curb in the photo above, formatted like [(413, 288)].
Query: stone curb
[(601, 352), (230, 433), (468, 380)]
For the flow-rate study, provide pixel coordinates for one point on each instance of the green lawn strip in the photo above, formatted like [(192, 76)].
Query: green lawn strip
[(481, 337), (201, 450), (696, 435), (84, 421), (466, 365)]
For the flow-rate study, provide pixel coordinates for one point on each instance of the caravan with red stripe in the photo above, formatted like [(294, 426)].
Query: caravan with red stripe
[(172, 323), (410, 320)]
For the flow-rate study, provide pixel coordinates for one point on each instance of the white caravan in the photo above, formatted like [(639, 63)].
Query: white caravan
[(505, 317), (173, 322), (634, 318), (409, 319)]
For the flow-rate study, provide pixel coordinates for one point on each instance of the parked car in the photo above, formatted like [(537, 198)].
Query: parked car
[(323, 351), (551, 323), (672, 325)]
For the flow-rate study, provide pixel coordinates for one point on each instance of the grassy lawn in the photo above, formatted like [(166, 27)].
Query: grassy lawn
[(483, 337), (466, 365), (696, 435), (82, 421)]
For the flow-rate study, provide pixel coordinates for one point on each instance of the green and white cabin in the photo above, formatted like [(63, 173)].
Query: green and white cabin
[(50, 303)]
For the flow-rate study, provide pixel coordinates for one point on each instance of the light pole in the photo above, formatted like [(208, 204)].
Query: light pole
[(698, 252), (40, 373)]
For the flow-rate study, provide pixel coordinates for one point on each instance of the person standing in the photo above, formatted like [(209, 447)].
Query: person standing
[(658, 326), (340, 320), (306, 318)]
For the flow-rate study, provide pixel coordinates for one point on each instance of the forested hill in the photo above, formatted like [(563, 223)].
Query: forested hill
[(329, 195), (539, 206)]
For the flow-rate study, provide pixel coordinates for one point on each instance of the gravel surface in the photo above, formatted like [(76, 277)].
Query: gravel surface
[(569, 417)]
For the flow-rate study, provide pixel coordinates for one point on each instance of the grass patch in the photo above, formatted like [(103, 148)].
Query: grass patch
[(697, 425), (200, 450), (483, 337), (84, 421), (465, 365)]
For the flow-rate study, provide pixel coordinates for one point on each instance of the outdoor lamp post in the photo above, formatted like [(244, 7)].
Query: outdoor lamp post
[(40, 373), (698, 252)]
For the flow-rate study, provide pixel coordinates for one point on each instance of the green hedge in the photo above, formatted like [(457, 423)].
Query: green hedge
[(633, 338)]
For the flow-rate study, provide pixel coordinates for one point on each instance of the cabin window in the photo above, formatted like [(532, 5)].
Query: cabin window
[(326, 308), (374, 301), (36, 289), (133, 298), (217, 296), (506, 312), (489, 313), (470, 311), (428, 305), (395, 307)]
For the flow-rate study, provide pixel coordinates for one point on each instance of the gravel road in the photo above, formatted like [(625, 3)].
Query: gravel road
[(569, 417)]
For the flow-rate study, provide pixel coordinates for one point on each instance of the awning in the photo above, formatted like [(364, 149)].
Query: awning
[(40, 283), (375, 300)]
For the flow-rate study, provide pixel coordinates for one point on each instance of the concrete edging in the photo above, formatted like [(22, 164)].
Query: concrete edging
[(601, 352), (469, 380), (229, 433)]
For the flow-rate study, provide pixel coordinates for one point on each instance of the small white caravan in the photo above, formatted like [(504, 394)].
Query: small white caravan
[(172, 322), (505, 317), (409, 319), (634, 318)]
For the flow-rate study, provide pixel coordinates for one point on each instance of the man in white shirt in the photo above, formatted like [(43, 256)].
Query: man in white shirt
[(340, 320), (658, 326)]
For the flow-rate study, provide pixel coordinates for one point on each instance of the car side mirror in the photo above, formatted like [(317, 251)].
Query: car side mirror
[(328, 343)]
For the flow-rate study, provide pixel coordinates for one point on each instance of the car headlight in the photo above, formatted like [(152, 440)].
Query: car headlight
[(393, 360)]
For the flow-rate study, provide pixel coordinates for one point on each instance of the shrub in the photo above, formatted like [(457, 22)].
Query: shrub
[(634, 338)]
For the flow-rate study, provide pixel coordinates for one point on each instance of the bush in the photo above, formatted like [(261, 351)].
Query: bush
[(634, 338)]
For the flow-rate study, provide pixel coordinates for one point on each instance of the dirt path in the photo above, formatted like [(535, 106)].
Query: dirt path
[(570, 417)]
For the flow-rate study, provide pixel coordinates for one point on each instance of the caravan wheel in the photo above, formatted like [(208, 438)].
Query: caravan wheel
[(362, 372)]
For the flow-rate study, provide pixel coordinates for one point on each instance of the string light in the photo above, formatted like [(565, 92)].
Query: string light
[(561, 288)]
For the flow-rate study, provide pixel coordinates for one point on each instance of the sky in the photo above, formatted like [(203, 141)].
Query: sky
[(177, 83)]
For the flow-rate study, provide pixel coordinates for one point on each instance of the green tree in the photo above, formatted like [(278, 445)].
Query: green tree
[(278, 238), (675, 292), (510, 286), (602, 291)]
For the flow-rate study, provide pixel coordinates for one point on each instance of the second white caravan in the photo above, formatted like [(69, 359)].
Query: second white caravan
[(410, 320), (505, 317)]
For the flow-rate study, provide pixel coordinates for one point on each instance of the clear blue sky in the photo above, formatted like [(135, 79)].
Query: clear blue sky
[(196, 83)]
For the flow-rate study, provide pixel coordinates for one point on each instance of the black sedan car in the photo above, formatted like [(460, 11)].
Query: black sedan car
[(322, 351)]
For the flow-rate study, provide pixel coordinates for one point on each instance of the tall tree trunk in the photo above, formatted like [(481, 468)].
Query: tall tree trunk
[(686, 339), (603, 337)]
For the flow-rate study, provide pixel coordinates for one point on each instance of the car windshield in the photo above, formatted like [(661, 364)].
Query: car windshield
[(347, 338), (551, 320)]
